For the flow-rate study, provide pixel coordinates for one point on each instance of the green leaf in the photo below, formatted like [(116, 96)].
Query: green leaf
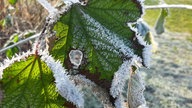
[(100, 31), (29, 83), (159, 26), (16, 38), (12, 2), (12, 51)]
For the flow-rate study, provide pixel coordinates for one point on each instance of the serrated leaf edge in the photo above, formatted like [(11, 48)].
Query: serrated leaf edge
[(147, 50), (121, 76), (18, 57), (64, 85)]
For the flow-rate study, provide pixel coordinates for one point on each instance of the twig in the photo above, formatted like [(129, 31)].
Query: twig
[(20, 42), (168, 6), (47, 6)]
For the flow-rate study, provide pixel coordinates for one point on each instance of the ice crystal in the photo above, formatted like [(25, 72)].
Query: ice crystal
[(121, 103), (143, 106), (122, 75), (55, 14), (147, 50), (142, 6), (120, 78), (52, 11), (107, 35), (119, 82), (69, 2), (18, 57), (64, 85), (142, 27), (76, 57)]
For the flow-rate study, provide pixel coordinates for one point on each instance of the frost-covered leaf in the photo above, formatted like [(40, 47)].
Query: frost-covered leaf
[(29, 83), (100, 31), (143, 28), (64, 85), (127, 86), (94, 95), (135, 91), (159, 27)]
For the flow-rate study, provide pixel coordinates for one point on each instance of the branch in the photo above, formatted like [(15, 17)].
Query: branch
[(168, 6), (47, 6), (20, 42)]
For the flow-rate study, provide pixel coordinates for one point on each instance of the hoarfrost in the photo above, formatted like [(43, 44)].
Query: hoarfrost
[(147, 50), (121, 103), (54, 14), (107, 35), (69, 2), (18, 57), (135, 86), (143, 106), (121, 76), (64, 85), (142, 6)]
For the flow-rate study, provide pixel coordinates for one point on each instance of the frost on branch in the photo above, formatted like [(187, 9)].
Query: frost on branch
[(64, 85), (55, 14)]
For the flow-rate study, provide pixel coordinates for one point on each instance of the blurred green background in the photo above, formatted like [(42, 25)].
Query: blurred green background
[(179, 20), (169, 79)]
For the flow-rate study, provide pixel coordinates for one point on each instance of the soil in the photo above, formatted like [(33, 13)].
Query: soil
[(169, 80)]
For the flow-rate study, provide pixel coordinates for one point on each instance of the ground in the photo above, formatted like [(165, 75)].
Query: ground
[(169, 79)]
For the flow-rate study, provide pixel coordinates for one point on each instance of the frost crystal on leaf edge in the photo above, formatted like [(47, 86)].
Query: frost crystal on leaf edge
[(18, 57), (120, 103), (147, 50), (121, 76), (64, 85)]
